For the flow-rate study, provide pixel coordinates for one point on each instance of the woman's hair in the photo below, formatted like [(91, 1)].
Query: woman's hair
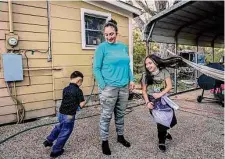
[(171, 62), (111, 23)]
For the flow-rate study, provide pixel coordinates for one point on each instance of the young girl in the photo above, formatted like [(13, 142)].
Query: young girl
[(156, 83)]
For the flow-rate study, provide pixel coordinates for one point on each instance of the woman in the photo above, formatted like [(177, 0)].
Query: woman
[(156, 83), (112, 71)]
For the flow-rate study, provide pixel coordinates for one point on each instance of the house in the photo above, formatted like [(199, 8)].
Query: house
[(54, 39)]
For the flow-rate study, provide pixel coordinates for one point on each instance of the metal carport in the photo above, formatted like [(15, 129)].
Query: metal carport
[(196, 23)]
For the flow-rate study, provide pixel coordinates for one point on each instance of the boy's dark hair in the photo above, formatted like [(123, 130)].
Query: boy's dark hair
[(112, 23), (76, 74)]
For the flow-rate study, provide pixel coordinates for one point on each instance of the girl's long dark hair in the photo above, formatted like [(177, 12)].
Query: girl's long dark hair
[(172, 62)]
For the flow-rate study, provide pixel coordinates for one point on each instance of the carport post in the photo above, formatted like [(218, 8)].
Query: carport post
[(148, 40), (213, 51), (175, 73), (147, 48), (196, 71)]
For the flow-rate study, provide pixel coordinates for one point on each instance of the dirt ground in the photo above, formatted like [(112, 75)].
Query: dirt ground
[(198, 134)]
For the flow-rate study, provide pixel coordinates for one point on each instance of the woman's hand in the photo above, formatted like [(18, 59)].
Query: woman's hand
[(131, 86), (157, 95), (149, 105)]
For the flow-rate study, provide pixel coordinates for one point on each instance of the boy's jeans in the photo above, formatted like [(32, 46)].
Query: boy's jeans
[(62, 131), (113, 99)]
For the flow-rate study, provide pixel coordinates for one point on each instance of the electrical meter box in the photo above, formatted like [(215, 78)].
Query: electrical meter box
[(12, 67)]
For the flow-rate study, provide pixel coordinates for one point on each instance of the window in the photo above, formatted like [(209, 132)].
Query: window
[(92, 23)]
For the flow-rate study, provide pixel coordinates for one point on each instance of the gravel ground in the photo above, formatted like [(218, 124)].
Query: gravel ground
[(198, 134)]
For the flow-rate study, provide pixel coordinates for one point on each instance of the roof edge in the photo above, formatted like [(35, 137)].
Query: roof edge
[(136, 11), (165, 12)]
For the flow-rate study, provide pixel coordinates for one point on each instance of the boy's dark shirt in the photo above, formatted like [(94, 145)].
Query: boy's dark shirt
[(72, 96)]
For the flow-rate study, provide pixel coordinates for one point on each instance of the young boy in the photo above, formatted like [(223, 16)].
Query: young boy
[(72, 99)]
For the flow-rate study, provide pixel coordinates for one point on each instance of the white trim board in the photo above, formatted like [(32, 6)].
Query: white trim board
[(131, 46), (83, 37), (112, 8)]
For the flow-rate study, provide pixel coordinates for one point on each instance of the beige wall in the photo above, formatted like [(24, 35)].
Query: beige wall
[(67, 44), (31, 24)]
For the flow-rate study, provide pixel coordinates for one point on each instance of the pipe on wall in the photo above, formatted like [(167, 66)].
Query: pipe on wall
[(10, 16), (49, 33)]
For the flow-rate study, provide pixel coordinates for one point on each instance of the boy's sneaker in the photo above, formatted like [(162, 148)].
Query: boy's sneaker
[(46, 143), (56, 154), (168, 136)]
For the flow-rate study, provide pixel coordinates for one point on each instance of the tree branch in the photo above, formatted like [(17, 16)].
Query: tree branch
[(145, 7)]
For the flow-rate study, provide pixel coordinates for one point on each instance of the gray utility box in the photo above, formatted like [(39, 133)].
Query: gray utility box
[(12, 67)]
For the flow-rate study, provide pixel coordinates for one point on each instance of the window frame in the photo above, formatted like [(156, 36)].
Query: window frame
[(83, 29)]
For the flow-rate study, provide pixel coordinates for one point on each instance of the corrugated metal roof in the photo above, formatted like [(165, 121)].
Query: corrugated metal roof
[(190, 23)]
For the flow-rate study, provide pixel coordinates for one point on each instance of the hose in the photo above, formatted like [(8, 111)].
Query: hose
[(20, 113), (20, 132), (128, 108)]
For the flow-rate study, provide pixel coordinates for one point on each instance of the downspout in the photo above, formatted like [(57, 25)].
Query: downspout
[(10, 16), (50, 53), (49, 33)]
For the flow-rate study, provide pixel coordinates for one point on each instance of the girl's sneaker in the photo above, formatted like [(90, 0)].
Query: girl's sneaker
[(162, 147), (168, 136)]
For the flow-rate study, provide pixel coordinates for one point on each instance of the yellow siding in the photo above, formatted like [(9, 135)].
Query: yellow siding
[(31, 24), (72, 60), (65, 36), (29, 19), (30, 28), (69, 48), (34, 45), (66, 47), (10, 109), (37, 4), (6, 101), (36, 63), (4, 25), (65, 24), (29, 115), (23, 9), (7, 118), (35, 97), (66, 71), (60, 83), (86, 91), (65, 12), (34, 80)]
